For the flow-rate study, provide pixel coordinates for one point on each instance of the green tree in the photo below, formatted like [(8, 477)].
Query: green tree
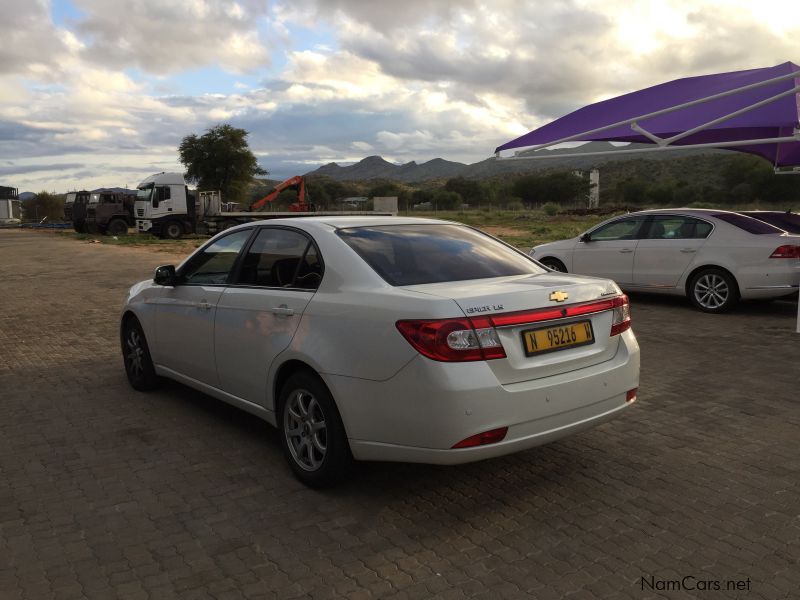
[(43, 204), (662, 194), (473, 192), (422, 196), (632, 191), (220, 159), (561, 188), (444, 200), (317, 194), (384, 188)]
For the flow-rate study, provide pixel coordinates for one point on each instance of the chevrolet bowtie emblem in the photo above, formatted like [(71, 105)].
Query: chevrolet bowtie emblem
[(559, 296)]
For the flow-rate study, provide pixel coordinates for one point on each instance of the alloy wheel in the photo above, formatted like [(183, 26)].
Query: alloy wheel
[(305, 430), (711, 291), (134, 354)]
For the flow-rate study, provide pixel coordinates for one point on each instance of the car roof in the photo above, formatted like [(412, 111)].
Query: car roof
[(352, 221), (698, 212), (768, 212)]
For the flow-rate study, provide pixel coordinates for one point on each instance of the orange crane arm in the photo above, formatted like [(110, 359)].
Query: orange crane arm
[(295, 181)]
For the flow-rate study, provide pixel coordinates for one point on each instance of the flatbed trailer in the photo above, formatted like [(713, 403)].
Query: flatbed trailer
[(166, 207)]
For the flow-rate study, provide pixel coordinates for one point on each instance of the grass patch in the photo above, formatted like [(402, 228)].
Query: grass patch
[(186, 243), (523, 229), (530, 227)]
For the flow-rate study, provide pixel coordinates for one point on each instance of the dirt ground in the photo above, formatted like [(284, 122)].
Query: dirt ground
[(110, 493)]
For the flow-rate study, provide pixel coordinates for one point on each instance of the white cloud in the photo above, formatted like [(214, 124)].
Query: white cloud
[(166, 37), (412, 82), (31, 43)]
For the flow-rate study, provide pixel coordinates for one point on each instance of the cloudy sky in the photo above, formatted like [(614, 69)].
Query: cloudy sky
[(100, 92)]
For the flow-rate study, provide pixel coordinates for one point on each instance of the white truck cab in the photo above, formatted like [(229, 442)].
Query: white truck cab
[(164, 206)]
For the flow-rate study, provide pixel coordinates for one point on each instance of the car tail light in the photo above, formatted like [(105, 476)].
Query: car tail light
[(475, 338), (453, 340), (630, 395), (481, 439), (788, 251), (621, 319)]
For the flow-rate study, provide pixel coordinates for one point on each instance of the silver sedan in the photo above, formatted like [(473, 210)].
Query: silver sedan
[(714, 257), (379, 338)]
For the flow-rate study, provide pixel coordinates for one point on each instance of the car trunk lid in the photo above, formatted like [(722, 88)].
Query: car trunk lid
[(519, 305)]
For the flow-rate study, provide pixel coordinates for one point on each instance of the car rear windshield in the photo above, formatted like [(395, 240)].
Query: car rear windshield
[(787, 221), (420, 253), (747, 223)]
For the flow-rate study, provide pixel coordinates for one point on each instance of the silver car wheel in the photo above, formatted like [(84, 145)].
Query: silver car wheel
[(305, 430), (711, 291), (135, 353)]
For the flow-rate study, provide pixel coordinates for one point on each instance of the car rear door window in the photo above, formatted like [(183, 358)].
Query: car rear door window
[(213, 264), (677, 227), (420, 253), (281, 258)]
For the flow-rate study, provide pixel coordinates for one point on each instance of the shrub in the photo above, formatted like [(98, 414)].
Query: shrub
[(515, 205), (551, 209)]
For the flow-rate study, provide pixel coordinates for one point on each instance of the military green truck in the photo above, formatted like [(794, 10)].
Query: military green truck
[(75, 209), (109, 212)]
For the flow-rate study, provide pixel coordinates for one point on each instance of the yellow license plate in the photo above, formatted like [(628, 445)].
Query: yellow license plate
[(558, 337)]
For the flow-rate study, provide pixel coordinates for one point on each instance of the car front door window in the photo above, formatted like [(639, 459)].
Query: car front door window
[(608, 252), (213, 265), (186, 312), (623, 229)]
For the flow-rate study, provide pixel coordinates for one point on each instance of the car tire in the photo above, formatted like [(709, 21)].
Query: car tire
[(117, 227), (172, 230), (311, 431), (136, 356), (713, 290), (554, 264)]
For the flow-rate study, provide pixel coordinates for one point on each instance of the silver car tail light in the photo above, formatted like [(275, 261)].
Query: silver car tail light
[(620, 305), (476, 338), (453, 340), (621, 319), (787, 251)]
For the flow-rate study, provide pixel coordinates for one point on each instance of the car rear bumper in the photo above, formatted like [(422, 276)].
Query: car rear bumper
[(520, 437), (780, 279), (428, 407)]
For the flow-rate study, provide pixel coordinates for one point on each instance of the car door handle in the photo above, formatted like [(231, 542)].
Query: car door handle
[(204, 305), (688, 250), (626, 251), (283, 310)]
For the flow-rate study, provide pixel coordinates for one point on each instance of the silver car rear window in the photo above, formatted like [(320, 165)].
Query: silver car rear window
[(422, 253), (747, 223)]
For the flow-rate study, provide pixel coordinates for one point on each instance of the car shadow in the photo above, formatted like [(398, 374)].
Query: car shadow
[(782, 306), (374, 480)]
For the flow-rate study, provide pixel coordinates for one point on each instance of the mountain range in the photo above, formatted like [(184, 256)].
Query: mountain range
[(375, 167)]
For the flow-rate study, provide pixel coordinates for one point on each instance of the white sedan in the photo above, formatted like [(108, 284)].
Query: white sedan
[(385, 338), (714, 257)]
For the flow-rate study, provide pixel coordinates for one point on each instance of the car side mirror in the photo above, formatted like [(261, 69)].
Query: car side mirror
[(165, 275), (586, 237)]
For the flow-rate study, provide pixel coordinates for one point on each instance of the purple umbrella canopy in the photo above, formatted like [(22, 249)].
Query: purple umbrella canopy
[(709, 110)]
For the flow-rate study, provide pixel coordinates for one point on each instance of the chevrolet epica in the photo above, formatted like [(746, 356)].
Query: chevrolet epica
[(385, 338)]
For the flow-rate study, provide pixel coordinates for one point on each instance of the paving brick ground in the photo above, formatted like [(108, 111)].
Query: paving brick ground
[(108, 493)]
